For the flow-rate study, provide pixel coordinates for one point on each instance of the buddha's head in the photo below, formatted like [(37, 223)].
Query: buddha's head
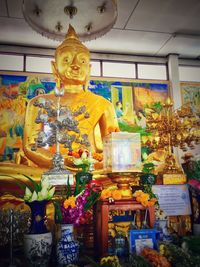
[(72, 61)]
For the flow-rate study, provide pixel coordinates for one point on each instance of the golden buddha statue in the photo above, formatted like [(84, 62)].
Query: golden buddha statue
[(71, 70)]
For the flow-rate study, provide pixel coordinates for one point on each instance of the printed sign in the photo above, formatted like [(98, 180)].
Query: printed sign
[(140, 239), (174, 200)]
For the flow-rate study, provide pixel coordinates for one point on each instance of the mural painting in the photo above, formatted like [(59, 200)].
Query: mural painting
[(191, 94)]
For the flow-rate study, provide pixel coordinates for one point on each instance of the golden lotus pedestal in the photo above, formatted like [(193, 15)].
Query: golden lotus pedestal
[(124, 181)]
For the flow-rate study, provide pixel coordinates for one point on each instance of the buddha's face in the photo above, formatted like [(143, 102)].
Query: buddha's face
[(73, 64)]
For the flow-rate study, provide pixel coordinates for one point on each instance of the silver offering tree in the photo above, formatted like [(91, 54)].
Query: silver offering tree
[(60, 126)]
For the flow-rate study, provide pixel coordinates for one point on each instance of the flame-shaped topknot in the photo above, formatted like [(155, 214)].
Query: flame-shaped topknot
[(71, 39), (71, 34)]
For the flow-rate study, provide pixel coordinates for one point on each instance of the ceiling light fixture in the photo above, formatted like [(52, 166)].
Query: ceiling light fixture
[(90, 18), (70, 10)]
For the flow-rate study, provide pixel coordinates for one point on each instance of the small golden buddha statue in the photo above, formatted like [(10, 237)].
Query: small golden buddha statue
[(71, 70)]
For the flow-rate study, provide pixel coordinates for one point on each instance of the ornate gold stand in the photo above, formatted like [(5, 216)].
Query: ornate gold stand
[(124, 180)]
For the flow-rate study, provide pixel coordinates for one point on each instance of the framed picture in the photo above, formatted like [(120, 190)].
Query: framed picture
[(17, 88), (190, 92)]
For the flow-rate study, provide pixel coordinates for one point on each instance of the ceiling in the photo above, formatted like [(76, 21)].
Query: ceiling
[(143, 27)]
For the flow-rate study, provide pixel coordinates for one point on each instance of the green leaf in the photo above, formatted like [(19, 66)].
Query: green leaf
[(69, 190), (82, 187), (58, 212), (76, 190), (148, 167), (35, 185), (91, 200)]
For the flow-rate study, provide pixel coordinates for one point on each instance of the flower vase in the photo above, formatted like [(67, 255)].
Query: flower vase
[(83, 176), (38, 217), (163, 230), (38, 241), (67, 249)]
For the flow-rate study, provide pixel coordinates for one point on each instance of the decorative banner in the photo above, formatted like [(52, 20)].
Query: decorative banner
[(174, 200)]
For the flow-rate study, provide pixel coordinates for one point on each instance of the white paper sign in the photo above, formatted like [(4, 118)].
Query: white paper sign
[(174, 200)]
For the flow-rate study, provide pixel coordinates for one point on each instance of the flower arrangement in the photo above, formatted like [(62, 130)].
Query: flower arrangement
[(146, 197), (37, 191), (84, 160), (95, 156), (37, 196), (75, 207), (155, 258), (111, 194), (41, 191)]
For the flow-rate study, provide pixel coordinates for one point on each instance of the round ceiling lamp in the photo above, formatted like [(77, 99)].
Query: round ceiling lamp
[(90, 18)]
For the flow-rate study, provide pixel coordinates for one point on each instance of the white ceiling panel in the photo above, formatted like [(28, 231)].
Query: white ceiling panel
[(3, 8), (125, 9), (182, 45), (17, 31), (166, 16), (124, 41), (15, 8)]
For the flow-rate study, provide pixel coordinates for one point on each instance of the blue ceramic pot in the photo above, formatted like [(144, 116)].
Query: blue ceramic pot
[(38, 217), (67, 248)]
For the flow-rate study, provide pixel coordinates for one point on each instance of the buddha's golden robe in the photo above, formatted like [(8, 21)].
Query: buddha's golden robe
[(101, 113)]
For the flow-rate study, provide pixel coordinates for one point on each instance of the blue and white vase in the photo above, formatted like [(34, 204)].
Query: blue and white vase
[(163, 233), (67, 249), (38, 240), (37, 249)]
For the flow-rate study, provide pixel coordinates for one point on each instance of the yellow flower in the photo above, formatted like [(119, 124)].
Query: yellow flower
[(70, 202), (162, 249), (145, 203), (116, 194), (138, 199), (109, 259), (145, 197), (106, 193)]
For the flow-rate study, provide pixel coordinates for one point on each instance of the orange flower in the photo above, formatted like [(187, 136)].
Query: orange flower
[(145, 203), (75, 154), (116, 194), (145, 197), (138, 199), (97, 156), (106, 193), (153, 201), (70, 202)]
